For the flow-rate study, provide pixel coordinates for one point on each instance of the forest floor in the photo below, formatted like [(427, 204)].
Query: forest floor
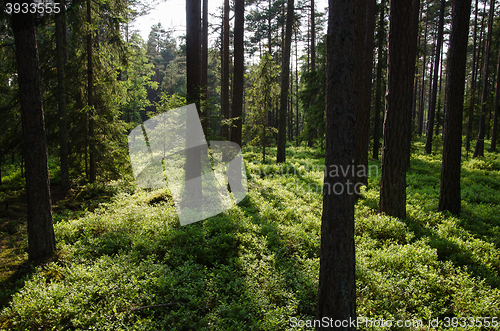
[(124, 262)]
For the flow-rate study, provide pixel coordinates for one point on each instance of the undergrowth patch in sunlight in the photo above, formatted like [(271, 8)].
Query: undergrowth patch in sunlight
[(128, 264)]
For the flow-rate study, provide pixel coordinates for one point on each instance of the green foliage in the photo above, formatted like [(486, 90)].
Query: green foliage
[(261, 99)]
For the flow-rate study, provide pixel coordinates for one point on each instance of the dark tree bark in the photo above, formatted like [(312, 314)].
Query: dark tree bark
[(437, 59), (397, 109), (449, 196), (204, 69), (193, 73), (413, 58), (61, 51), (473, 80), (225, 71), (365, 27), (285, 76), (239, 70), (479, 150), (193, 51), (90, 98), (337, 290), (496, 110), (378, 83), (41, 239)]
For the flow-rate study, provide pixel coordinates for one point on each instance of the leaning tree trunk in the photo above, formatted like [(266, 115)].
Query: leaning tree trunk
[(449, 196), (479, 150), (285, 76), (41, 239), (397, 108), (337, 290), (432, 105)]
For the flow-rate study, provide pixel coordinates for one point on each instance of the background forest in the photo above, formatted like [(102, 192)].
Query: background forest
[(421, 81)]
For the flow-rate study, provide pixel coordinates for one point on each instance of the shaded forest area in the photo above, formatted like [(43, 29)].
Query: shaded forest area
[(369, 133)]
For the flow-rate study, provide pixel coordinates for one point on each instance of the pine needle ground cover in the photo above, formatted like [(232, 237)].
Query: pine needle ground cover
[(128, 265)]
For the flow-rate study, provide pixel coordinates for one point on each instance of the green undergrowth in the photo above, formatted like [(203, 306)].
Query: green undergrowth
[(129, 265)]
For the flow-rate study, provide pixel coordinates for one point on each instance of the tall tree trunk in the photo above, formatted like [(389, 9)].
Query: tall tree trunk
[(432, 108), (378, 83), (90, 97), (60, 20), (472, 105), (239, 70), (193, 73), (416, 92), (449, 196), (204, 70), (290, 108), (422, 91), (397, 109), (285, 76), (438, 109), (296, 89), (337, 290), (413, 59), (496, 110), (479, 150), (365, 27), (225, 71), (41, 239)]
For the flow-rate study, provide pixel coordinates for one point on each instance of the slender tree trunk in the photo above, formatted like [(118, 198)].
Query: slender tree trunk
[(496, 110), (296, 89), (473, 79), (290, 108), (312, 136), (432, 108), (479, 150), (438, 109), (337, 290), (41, 239), (378, 84), (225, 71), (285, 76), (90, 97), (397, 109), (239, 70), (204, 70), (449, 196), (422, 91), (60, 20)]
